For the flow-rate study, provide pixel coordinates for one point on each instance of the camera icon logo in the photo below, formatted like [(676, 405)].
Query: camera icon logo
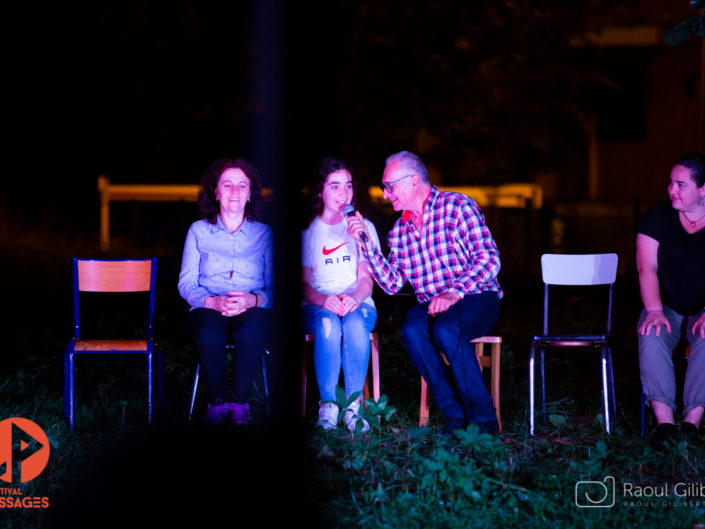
[(595, 494)]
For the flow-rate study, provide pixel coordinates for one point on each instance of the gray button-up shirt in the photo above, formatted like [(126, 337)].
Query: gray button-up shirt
[(216, 261)]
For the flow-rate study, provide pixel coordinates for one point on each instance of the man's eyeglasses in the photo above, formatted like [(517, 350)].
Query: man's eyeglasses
[(389, 186)]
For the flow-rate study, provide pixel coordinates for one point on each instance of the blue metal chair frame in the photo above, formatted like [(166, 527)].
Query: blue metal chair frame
[(106, 346), (601, 341)]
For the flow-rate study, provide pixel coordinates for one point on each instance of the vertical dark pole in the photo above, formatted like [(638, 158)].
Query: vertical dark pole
[(277, 142), (272, 154)]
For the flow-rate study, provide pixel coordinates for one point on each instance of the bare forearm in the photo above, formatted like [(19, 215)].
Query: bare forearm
[(650, 292), (363, 290), (311, 295)]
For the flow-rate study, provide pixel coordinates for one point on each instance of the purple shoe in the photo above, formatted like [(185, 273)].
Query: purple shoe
[(217, 413), (239, 414)]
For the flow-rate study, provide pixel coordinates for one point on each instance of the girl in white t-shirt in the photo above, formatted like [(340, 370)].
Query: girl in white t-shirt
[(337, 293)]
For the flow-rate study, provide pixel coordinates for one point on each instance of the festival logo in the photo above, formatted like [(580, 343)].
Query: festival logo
[(24, 450)]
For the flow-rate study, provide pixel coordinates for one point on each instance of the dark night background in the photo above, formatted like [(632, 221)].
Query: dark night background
[(152, 91), (486, 92)]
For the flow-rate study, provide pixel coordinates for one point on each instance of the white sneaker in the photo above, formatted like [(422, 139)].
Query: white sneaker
[(328, 415), (352, 416)]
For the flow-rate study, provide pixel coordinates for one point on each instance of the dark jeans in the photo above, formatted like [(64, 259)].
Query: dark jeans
[(425, 337), (212, 331)]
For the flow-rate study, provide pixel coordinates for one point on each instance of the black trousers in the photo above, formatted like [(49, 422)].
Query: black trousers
[(211, 331)]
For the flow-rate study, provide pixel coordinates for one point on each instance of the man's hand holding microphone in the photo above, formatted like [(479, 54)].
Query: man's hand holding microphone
[(356, 224)]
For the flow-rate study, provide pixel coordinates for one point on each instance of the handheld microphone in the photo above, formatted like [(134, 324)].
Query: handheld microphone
[(349, 211)]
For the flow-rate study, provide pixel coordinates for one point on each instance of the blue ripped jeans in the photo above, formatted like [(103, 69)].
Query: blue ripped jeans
[(340, 342)]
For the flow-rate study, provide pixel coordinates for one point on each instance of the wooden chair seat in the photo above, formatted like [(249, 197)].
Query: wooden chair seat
[(111, 345)]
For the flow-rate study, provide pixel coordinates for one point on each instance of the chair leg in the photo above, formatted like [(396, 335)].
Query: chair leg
[(68, 388), (532, 358), (605, 389), (543, 385), (423, 409), (494, 374), (610, 372), (72, 394), (372, 371), (193, 392), (265, 381), (150, 374), (374, 358)]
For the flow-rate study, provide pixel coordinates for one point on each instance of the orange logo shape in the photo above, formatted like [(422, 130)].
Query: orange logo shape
[(326, 251), (23, 446)]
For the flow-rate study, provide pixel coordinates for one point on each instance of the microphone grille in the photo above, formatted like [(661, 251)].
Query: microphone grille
[(348, 209)]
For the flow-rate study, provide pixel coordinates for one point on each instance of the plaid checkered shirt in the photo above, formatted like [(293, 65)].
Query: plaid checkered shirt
[(454, 253)]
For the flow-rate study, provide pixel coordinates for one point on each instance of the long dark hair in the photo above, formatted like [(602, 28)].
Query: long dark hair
[(695, 163), (208, 205), (327, 166)]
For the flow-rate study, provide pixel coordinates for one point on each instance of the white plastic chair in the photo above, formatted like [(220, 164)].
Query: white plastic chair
[(576, 270)]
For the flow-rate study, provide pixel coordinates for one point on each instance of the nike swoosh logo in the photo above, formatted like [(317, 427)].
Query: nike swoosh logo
[(326, 251)]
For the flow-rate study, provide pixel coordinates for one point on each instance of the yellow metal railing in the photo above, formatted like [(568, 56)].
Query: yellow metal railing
[(141, 192), (506, 196)]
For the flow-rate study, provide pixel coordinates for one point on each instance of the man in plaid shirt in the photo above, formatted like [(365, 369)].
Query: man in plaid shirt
[(442, 246)]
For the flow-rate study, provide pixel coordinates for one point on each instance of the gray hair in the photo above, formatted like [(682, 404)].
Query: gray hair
[(411, 162)]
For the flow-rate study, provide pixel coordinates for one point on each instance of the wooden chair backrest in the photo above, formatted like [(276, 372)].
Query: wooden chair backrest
[(114, 276)]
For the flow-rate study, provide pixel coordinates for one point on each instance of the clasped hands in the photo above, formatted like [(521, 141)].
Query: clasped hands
[(341, 304), (234, 303)]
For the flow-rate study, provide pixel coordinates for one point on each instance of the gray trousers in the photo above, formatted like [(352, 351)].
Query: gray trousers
[(658, 379)]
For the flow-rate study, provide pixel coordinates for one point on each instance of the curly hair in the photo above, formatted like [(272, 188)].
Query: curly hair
[(208, 205), (327, 166), (695, 162)]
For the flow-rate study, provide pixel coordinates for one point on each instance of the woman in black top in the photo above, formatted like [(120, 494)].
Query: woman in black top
[(670, 254)]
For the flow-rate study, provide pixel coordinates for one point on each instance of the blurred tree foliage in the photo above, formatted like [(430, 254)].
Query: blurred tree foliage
[(486, 91)]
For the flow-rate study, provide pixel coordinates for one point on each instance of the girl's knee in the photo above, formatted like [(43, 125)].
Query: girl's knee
[(328, 328), (355, 326)]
